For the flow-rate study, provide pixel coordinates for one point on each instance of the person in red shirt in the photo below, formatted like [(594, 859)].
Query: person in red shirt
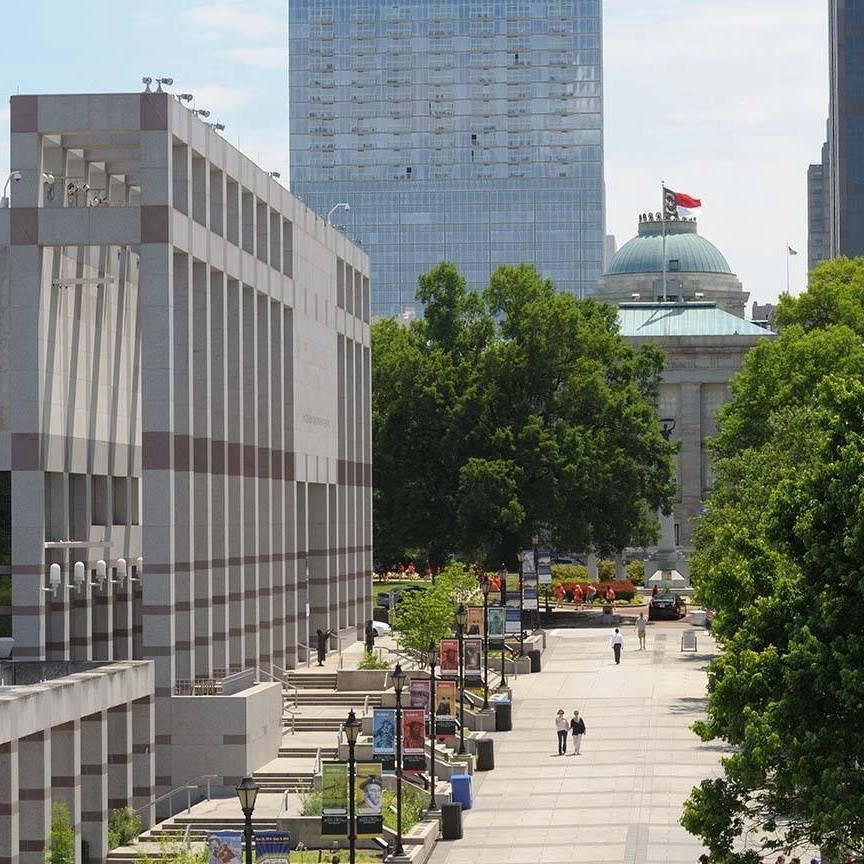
[(610, 594), (578, 596), (558, 591)]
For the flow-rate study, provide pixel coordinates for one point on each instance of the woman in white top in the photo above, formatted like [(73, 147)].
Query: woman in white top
[(563, 728)]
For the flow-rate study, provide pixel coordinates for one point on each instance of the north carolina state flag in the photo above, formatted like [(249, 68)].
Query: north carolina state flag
[(676, 202)]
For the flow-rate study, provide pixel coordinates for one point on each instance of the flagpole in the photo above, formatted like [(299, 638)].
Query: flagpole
[(663, 222), (788, 256)]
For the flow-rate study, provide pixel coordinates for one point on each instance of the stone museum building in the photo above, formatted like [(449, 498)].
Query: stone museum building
[(702, 330), (185, 457)]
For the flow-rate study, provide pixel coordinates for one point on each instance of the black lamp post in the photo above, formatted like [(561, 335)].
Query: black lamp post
[(502, 573), (398, 678), (484, 587), (521, 608), (247, 792), (432, 659), (352, 730), (461, 621)]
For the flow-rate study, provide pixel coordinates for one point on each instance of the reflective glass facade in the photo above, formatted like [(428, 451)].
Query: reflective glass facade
[(467, 130), (846, 126)]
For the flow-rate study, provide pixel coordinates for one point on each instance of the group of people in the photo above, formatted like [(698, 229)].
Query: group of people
[(575, 726)]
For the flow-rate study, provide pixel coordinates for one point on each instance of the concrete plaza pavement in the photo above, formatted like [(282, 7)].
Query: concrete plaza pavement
[(620, 800)]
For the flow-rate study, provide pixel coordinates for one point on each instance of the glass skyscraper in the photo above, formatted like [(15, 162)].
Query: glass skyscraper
[(465, 130), (846, 126)]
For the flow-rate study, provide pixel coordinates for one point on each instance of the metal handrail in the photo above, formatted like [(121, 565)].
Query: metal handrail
[(196, 783), (281, 677), (287, 709), (366, 705), (407, 658), (316, 768), (308, 652)]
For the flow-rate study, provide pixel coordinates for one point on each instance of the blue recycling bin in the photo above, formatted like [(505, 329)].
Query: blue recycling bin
[(460, 790)]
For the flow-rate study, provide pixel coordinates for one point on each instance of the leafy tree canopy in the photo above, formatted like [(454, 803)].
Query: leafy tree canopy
[(513, 411), (778, 556)]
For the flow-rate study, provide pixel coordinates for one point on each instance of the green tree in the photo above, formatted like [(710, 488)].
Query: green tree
[(517, 410), (61, 844), (778, 556)]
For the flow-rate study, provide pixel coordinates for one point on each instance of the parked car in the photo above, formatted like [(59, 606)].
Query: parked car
[(666, 605), (391, 598), (381, 628)]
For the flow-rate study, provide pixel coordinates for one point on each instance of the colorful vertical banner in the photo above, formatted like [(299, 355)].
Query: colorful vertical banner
[(272, 847), (495, 623), (225, 847), (383, 733), (419, 693), (527, 558), (473, 649), (445, 710), (334, 799), (413, 739), (475, 621), (450, 658), (529, 581), (513, 624), (368, 797), (544, 568)]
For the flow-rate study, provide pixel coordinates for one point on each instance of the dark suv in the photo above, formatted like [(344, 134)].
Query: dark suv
[(666, 605)]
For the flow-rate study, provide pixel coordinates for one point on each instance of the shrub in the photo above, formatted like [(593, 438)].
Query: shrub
[(569, 573), (124, 825), (370, 661), (414, 802), (606, 571), (175, 853), (61, 845), (636, 572), (310, 803)]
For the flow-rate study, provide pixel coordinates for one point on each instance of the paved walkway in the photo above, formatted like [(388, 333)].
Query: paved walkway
[(621, 799)]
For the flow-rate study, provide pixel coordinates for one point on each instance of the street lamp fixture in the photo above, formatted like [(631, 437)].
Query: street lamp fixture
[(461, 621), (351, 728), (484, 587), (432, 660), (247, 792), (502, 574), (341, 206), (398, 677)]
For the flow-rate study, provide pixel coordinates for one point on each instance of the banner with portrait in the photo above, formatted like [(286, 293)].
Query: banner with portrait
[(449, 658), (527, 558), (474, 627), (419, 692), (225, 847), (334, 799), (383, 733), (445, 709), (413, 740), (272, 847), (473, 655), (495, 623), (368, 799)]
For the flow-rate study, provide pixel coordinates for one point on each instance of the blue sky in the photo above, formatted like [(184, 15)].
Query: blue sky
[(724, 99)]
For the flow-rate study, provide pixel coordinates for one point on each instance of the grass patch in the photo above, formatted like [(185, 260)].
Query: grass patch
[(379, 588)]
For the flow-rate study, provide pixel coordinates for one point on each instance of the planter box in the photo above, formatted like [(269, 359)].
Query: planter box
[(362, 679), (480, 721), (520, 664)]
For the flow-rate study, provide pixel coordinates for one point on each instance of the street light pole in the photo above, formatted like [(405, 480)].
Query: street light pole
[(503, 575), (461, 620), (398, 678), (521, 610), (433, 659), (247, 792), (484, 587), (352, 730)]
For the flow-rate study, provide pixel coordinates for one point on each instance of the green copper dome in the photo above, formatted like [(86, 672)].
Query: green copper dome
[(686, 251)]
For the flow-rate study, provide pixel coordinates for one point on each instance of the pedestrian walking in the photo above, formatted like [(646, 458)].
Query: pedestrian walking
[(562, 726), (577, 729), (640, 630), (617, 642)]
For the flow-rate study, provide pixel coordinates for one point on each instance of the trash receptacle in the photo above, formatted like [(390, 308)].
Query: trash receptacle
[(534, 657), (485, 754), (451, 821), (460, 789), (503, 716)]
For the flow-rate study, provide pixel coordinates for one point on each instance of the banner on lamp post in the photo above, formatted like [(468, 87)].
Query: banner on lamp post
[(413, 740), (475, 621), (334, 799), (368, 797), (473, 658), (495, 623), (420, 693), (544, 568), (272, 847), (513, 624), (225, 847), (449, 658), (445, 710), (384, 733)]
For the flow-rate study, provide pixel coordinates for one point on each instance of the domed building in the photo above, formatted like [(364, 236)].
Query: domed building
[(700, 325), (695, 270)]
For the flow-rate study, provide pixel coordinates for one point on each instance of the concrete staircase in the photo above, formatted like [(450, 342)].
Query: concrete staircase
[(282, 781), (332, 697), (174, 829), (312, 680), (301, 752)]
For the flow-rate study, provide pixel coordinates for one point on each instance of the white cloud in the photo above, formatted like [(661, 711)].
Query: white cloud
[(245, 19), (217, 97), (262, 57), (722, 100)]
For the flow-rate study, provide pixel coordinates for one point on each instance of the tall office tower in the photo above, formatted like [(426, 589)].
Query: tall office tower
[(469, 132), (818, 210), (846, 126)]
